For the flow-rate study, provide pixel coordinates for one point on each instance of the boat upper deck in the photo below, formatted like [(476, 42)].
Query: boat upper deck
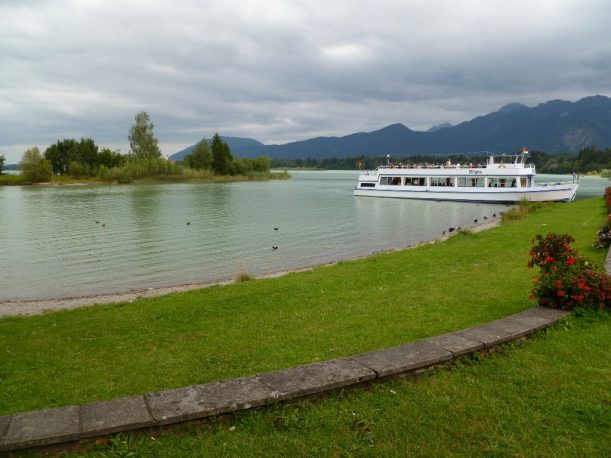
[(496, 165)]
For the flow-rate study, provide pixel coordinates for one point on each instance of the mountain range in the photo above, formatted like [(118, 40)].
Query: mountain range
[(556, 126)]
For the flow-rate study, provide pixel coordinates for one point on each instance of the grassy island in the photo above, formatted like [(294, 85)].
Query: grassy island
[(547, 396)]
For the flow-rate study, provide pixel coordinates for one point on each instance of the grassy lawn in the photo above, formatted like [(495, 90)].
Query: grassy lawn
[(110, 351), (548, 396)]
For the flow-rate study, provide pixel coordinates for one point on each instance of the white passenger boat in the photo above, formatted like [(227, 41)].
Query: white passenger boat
[(503, 179)]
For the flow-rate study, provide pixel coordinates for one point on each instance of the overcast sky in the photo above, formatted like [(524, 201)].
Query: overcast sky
[(280, 71)]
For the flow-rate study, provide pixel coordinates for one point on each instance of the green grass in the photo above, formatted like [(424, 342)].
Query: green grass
[(11, 180), (187, 176), (111, 351), (548, 396)]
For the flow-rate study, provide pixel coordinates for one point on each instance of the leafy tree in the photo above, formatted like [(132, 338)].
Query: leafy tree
[(61, 154), (2, 159), (64, 152), (200, 157), (142, 142), (87, 154), (110, 159), (221, 156), (34, 167)]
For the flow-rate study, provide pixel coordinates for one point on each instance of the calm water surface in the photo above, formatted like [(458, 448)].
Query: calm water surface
[(52, 247)]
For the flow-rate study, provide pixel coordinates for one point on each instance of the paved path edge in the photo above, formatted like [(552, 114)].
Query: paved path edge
[(72, 423)]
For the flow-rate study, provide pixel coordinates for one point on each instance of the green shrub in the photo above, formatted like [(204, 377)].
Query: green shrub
[(242, 277), (77, 170), (34, 168), (103, 173), (523, 208)]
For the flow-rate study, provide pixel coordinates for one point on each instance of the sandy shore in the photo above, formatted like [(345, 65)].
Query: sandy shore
[(37, 307)]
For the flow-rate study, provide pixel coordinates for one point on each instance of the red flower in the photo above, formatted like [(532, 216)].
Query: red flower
[(580, 297), (549, 259), (560, 293), (558, 284), (570, 261)]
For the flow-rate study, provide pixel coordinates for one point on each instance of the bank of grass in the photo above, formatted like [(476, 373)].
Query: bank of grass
[(11, 180), (187, 175), (548, 396), (110, 351)]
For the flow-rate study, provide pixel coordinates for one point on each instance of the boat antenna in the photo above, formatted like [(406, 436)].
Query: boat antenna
[(388, 159)]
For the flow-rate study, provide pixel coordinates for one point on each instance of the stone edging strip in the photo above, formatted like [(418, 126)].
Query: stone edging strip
[(67, 424)]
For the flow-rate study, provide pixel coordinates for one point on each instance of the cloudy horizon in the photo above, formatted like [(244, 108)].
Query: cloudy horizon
[(281, 71)]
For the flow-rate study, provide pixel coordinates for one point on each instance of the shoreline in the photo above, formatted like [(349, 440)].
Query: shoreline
[(169, 179), (43, 306)]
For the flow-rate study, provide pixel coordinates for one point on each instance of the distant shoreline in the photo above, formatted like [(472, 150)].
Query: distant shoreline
[(170, 179)]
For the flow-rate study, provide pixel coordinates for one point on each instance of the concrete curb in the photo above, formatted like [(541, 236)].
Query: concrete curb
[(67, 424)]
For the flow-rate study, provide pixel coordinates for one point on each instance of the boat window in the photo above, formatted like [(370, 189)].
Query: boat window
[(523, 182), (442, 181), (368, 185), (472, 182), (393, 181), (415, 181), (502, 182)]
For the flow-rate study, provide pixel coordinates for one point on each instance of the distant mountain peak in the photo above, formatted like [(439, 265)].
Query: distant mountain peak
[(595, 100), (441, 126), (395, 126), (512, 107)]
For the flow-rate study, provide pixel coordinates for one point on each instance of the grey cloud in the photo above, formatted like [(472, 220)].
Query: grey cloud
[(284, 70)]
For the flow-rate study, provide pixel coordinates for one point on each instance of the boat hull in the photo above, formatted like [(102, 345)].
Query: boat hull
[(561, 193)]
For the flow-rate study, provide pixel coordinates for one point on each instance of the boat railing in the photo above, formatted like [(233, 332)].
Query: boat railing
[(575, 180), (388, 167), (430, 166)]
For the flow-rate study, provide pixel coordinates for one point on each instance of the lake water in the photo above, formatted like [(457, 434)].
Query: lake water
[(52, 245)]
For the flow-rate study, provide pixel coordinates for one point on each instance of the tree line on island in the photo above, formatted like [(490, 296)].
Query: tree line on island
[(83, 159), (588, 160)]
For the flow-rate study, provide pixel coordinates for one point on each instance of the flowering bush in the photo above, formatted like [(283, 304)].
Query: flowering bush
[(548, 252), (565, 279), (603, 236)]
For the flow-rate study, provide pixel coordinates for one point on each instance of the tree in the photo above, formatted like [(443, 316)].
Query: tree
[(110, 159), (34, 167), (87, 154), (142, 142), (2, 159), (200, 157), (221, 156), (61, 154)]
